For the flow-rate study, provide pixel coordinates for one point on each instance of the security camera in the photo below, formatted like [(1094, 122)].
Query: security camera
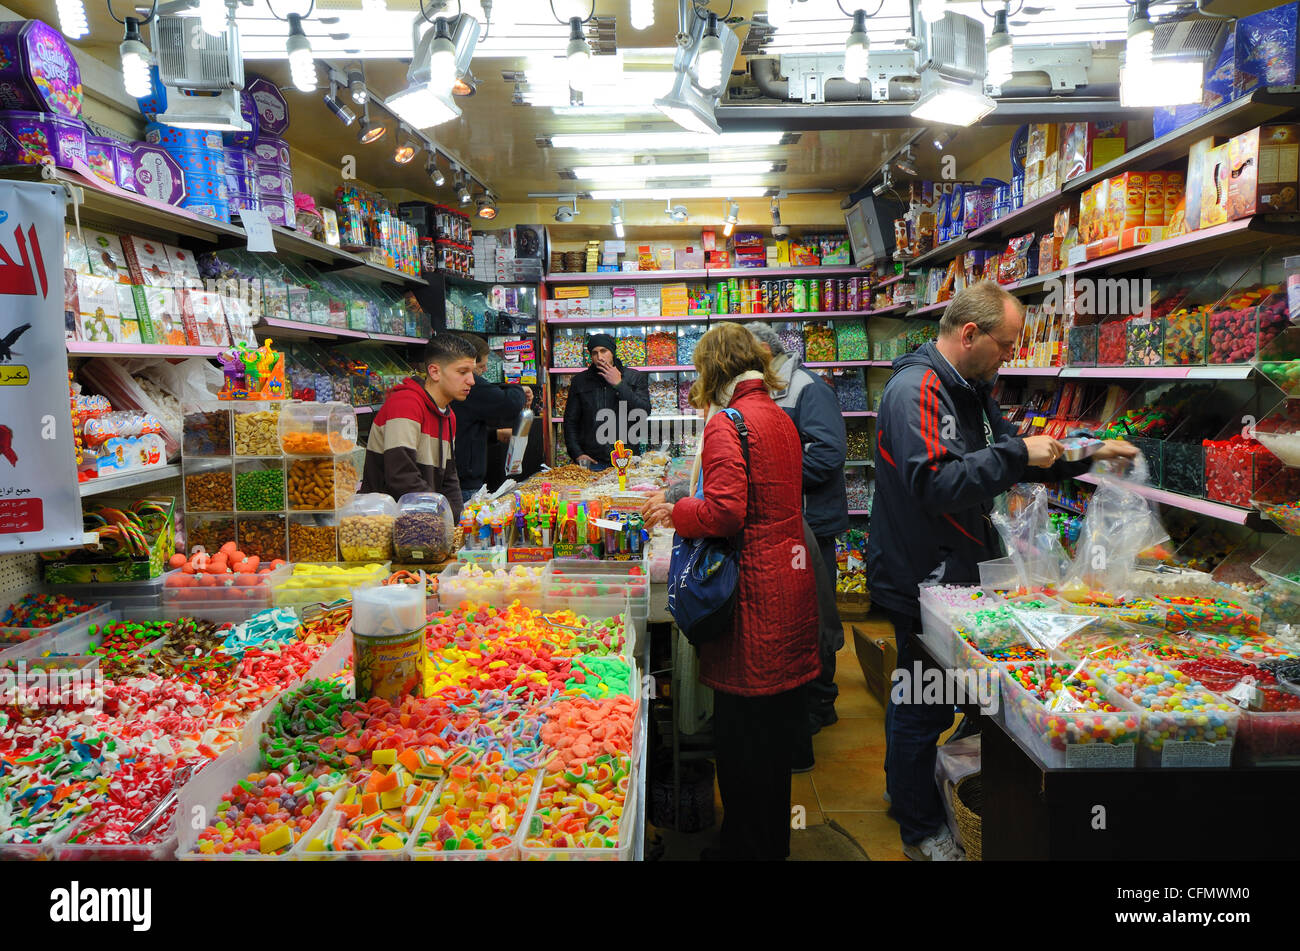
[(563, 214)]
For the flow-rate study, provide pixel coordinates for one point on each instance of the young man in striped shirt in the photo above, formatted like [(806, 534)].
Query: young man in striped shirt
[(412, 444)]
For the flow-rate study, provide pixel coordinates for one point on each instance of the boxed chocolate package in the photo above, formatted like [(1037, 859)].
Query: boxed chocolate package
[(1263, 170)]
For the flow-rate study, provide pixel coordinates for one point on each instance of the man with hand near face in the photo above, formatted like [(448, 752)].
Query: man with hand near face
[(943, 455), (601, 397)]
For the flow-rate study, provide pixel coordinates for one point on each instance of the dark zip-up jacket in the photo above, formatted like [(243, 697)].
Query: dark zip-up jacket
[(815, 411), (588, 395), (937, 475), (487, 407)]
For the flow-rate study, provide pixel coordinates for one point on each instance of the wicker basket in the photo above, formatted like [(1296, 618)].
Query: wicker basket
[(853, 606), (967, 805)]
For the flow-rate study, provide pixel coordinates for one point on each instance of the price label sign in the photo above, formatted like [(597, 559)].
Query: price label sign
[(261, 239)]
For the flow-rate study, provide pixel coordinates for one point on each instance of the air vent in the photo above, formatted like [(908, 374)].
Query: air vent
[(956, 47), (1190, 40)]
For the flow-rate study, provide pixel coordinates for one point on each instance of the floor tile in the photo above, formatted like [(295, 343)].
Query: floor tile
[(849, 774), (875, 832), (804, 793)]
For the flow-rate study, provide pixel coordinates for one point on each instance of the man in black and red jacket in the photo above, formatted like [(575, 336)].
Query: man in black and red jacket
[(943, 454), (602, 401)]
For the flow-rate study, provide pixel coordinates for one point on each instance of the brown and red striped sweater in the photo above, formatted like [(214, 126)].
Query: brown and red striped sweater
[(412, 447)]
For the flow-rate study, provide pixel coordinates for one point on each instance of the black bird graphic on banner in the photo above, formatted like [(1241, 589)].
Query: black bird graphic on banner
[(6, 345)]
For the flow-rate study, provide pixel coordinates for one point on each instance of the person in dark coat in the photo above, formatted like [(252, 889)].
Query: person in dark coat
[(943, 454), (489, 412), (759, 665), (815, 412), (601, 399)]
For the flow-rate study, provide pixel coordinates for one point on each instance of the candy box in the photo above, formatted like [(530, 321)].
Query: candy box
[(1264, 164), (159, 312), (184, 266), (81, 566), (26, 138), (37, 69), (272, 110), (147, 262), (1175, 195), (98, 318), (157, 175), (106, 256), (204, 319), (1065, 721), (1265, 50), (1216, 180)]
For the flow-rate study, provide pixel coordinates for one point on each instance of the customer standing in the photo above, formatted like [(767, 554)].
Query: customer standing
[(943, 454), (759, 665), (601, 398), (815, 411), (479, 415)]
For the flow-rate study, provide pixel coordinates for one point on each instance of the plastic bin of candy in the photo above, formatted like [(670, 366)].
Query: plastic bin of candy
[(1185, 336), (940, 605), (1245, 323), (1112, 343), (531, 826), (499, 586), (1081, 346), (402, 827), (1001, 576), (509, 824), (1278, 499), (569, 577), (225, 591), (323, 583), (1199, 733), (1269, 731), (65, 849), (203, 796), (126, 596), (1144, 342), (19, 635), (1279, 433), (1236, 468), (1066, 721)]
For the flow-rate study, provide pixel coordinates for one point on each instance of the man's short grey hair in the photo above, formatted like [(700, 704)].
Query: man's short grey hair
[(765, 334), (983, 304)]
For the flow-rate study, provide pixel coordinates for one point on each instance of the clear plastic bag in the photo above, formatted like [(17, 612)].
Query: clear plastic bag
[(1021, 517), (1118, 526)]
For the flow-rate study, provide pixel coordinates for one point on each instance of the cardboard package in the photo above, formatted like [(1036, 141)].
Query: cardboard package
[(1216, 176), (1154, 212), (1265, 170)]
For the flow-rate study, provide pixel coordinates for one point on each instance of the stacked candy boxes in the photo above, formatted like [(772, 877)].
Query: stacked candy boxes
[(523, 746), (170, 698)]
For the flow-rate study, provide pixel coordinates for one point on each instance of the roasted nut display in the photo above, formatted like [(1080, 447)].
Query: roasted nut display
[(366, 537), (321, 482), (210, 491), (257, 434)]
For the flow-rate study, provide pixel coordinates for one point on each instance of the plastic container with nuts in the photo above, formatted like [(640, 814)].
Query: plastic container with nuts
[(205, 429), (313, 538), (257, 429), (209, 484), (320, 483), (422, 534), (208, 532), (261, 535), (317, 429), (259, 485), (366, 527)]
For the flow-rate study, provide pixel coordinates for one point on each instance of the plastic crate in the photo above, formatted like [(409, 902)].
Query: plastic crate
[(507, 853), (10, 636), (124, 596), (324, 587), (1065, 738), (495, 586), (627, 831)]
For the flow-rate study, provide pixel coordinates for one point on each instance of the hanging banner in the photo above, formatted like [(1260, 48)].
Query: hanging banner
[(40, 504)]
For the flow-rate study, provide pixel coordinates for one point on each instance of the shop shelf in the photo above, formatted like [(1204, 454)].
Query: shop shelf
[(129, 479)]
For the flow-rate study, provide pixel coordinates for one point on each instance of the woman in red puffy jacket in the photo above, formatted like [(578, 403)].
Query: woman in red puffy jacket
[(770, 650)]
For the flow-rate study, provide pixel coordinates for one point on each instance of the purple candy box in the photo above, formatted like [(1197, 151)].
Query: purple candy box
[(37, 71), (272, 110), (157, 175), (27, 137)]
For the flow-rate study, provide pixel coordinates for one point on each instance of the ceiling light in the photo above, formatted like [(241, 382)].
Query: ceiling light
[(566, 213), (729, 222), (932, 11), (1141, 38), (616, 218), (942, 140), (135, 62), (369, 131), (906, 163), (357, 86), (950, 102), (487, 206), (708, 60), (778, 13), (405, 152), (346, 115), (422, 108), (463, 87), (72, 18), (462, 190), (676, 212), (663, 141), (688, 108), (433, 171), (673, 170), (642, 14), (579, 56), (680, 191), (302, 67), (886, 184), (1168, 83), (426, 101), (998, 51), (212, 17), (855, 48), (776, 211), (442, 59)]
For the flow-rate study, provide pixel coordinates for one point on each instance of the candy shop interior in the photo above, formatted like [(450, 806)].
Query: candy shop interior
[(266, 211)]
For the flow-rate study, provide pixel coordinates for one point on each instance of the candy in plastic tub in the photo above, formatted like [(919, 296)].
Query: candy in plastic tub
[(422, 533)]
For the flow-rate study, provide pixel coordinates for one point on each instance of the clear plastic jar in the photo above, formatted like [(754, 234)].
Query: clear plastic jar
[(423, 531), (366, 527), (317, 429)]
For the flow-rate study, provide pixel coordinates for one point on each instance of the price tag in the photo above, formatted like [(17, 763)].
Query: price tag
[(260, 237)]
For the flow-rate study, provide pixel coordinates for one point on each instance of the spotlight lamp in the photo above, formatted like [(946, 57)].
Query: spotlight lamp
[(342, 110), (357, 86), (368, 131), (487, 206), (732, 217)]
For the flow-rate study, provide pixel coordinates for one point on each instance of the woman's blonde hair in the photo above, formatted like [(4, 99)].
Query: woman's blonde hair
[(722, 354)]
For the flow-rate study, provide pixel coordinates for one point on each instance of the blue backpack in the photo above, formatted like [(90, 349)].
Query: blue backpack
[(704, 573)]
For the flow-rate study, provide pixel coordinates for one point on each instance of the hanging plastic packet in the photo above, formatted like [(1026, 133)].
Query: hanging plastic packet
[(1023, 519)]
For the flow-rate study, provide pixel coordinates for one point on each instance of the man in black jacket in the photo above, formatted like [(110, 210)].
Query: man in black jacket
[(478, 417), (943, 454), (815, 411), (601, 400)]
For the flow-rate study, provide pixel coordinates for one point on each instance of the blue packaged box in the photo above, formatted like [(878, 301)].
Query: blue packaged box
[(1265, 52)]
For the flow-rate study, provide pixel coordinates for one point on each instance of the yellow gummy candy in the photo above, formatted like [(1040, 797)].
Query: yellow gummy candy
[(276, 839)]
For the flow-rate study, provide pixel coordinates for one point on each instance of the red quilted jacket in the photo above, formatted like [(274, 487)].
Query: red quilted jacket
[(772, 646)]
